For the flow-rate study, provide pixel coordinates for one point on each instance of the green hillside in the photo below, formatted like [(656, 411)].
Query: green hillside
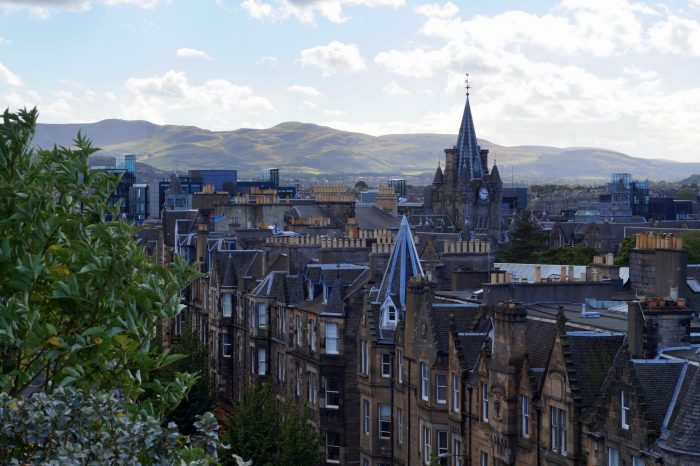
[(313, 149)]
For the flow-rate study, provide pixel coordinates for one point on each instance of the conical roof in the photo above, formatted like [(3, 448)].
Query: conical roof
[(495, 175), (403, 264), (467, 146), (438, 178)]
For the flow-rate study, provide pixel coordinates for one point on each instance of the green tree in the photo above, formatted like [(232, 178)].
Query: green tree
[(686, 194), (574, 255), (202, 396), (271, 432), (80, 302), (526, 240), (623, 255), (691, 243), (361, 186)]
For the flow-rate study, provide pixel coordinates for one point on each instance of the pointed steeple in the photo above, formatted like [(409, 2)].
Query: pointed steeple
[(438, 178), (404, 263), (468, 158), (495, 175)]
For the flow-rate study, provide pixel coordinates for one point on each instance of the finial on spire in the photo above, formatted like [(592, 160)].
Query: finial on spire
[(466, 84)]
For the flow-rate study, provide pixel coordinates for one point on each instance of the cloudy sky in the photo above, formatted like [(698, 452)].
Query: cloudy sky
[(619, 74)]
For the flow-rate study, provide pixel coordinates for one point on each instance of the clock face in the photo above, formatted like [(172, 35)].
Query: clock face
[(483, 193)]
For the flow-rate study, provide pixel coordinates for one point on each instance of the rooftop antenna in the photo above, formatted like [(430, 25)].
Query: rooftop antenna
[(466, 84)]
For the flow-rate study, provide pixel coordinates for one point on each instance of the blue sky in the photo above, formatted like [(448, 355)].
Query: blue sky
[(618, 74)]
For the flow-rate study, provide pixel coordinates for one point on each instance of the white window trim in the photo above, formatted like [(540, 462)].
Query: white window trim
[(624, 410), (456, 401), (425, 382), (332, 337), (225, 346), (484, 402), (383, 434), (262, 361), (438, 386), (525, 416), (386, 365)]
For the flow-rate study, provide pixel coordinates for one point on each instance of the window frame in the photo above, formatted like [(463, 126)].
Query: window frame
[(262, 361), (525, 416), (441, 388), (328, 446), (366, 422), (484, 403), (261, 315), (399, 363), (427, 444), (384, 420), (624, 410), (364, 357), (456, 393), (327, 391), (424, 382), (226, 354), (613, 456), (385, 365), (442, 443), (226, 305), (399, 425), (334, 347)]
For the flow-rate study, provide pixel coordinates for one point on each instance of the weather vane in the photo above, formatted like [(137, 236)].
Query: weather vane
[(466, 84)]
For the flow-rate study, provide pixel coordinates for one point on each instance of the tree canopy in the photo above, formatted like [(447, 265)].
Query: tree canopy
[(526, 239), (271, 432)]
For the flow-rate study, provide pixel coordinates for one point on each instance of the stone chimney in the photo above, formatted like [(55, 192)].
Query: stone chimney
[(510, 332), (657, 323)]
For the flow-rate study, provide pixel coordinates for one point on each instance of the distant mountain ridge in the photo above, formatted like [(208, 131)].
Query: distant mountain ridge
[(314, 149)]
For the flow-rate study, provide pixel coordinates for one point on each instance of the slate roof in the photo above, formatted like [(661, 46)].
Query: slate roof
[(369, 217), (468, 157), (270, 285), (438, 178), (457, 318), (655, 381), (589, 356), (468, 346), (170, 217), (684, 427), (326, 273), (539, 341), (403, 264), (228, 267)]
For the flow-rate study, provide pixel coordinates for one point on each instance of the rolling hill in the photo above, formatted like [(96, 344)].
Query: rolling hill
[(313, 149)]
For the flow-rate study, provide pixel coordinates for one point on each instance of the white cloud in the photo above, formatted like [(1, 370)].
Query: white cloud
[(8, 77), (4, 41), (192, 53), (395, 89), (306, 10), (308, 105), (45, 8), (268, 60), (158, 97), (676, 35), (305, 90), (335, 112), (448, 10), (334, 57)]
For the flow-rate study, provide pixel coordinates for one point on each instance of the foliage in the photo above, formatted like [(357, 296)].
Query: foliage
[(361, 186), (623, 255), (271, 432), (686, 194), (574, 255), (526, 239), (80, 302), (691, 243), (70, 427), (202, 396)]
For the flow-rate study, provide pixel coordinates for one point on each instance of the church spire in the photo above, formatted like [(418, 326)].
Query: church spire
[(468, 157), (403, 264)]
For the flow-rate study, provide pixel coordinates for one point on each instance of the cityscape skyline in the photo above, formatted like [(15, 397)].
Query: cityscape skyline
[(614, 74)]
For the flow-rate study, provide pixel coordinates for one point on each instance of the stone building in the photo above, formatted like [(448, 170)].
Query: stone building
[(467, 192)]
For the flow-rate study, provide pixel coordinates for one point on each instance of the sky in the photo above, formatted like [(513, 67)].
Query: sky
[(618, 74)]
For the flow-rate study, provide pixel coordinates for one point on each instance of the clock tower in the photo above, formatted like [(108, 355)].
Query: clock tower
[(467, 192)]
